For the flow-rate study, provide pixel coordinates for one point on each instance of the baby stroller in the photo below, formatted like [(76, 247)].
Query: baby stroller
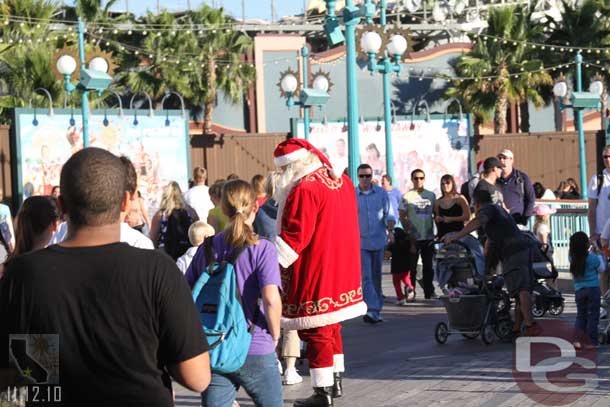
[(546, 298), (603, 329), (475, 305)]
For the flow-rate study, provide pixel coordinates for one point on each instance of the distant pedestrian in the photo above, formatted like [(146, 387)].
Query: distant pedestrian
[(170, 225), (198, 231), (540, 192), (585, 267), (451, 209), (374, 218), (393, 193), (266, 216), (418, 205), (216, 218), (198, 196), (542, 227), (516, 188), (6, 226), (258, 183)]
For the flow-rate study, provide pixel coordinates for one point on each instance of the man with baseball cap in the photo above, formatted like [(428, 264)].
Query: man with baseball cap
[(517, 189), (492, 169)]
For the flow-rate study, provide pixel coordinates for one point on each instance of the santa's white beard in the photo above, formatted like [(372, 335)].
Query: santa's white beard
[(287, 179)]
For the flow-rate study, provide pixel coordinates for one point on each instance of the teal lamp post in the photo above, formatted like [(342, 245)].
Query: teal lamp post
[(308, 97), (93, 77), (579, 101), (371, 42), (351, 18)]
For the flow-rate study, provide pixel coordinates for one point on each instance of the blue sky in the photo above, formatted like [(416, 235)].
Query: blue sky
[(254, 8)]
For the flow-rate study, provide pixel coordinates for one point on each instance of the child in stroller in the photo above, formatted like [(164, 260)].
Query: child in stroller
[(546, 297)]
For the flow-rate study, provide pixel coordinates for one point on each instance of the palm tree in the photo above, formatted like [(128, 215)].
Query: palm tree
[(584, 25), (223, 67), (503, 69), (93, 10)]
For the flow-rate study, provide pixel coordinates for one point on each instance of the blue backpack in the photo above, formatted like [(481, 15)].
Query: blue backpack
[(217, 297)]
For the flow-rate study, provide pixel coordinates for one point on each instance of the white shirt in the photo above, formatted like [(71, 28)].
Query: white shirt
[(128, 235), (134, 238), (548, 195), (198, 198), (603, 201), (185, 260)]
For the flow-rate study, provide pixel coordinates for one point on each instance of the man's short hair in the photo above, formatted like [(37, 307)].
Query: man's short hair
[(93, 183), (607, 147), (131, 176), (364, 167), (199, 175), (482, 197), (388, 178), (198, 231), (415, 171)]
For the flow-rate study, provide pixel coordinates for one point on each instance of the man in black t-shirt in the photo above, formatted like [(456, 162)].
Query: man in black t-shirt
[(492, 169), (513, 250), (124, 316)]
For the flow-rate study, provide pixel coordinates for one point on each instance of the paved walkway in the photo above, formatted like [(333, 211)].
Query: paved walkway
[(398, 363)]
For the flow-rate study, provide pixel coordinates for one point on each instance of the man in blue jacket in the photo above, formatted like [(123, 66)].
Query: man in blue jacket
[(516, 188)]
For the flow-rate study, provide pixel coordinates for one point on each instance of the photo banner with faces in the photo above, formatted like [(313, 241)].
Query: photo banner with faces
[(439, 146), (156, 145)]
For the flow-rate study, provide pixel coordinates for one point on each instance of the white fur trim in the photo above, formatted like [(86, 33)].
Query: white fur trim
[(339, 363), (316, 321), (322, 377), (290, 157), (285, 254)]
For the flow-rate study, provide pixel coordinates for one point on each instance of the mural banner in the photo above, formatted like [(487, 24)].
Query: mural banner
[(157, 146), (439, 146)]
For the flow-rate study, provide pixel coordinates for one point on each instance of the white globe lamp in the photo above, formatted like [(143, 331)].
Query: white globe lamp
[(560, 89), (98, 64), (289, 83), (66, 65), (398, 45), (596, 87), (321, 83), (370, 42)]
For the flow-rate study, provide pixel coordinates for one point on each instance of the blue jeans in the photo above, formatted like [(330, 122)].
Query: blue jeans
[(372, 261), (260, 378), (587, 312)]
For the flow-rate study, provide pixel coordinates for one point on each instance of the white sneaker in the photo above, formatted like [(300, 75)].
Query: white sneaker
[(291, 376), (401, 302), (279, 367)]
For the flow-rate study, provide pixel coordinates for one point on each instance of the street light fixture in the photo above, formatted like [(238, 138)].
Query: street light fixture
[(387, 45), (93, 76), (579, 101), (317, 95)]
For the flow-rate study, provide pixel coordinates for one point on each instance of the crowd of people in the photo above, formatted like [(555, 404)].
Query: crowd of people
[(77, 260)]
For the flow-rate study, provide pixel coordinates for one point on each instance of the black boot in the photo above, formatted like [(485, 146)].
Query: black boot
[(321, 397), (337, 387)]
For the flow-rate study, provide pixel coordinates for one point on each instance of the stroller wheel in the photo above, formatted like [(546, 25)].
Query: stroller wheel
[(470, 336), (504, 329), (538, 311), (487, 334), (556, 310), (441, 333)]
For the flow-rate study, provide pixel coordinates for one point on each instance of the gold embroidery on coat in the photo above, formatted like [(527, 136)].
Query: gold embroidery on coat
[(323, 305)]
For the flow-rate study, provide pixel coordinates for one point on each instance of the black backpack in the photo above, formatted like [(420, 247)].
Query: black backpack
[(177, 234)]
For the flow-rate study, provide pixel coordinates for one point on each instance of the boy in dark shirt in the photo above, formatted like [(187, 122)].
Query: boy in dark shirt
[(124, 317), (513, 250)]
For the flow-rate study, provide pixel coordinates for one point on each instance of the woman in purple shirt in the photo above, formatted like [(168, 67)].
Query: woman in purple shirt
[(258, 275)]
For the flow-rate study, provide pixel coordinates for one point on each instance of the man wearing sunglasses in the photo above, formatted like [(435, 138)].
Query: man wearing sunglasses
[(418, 205), (517, 189), (374, 219)]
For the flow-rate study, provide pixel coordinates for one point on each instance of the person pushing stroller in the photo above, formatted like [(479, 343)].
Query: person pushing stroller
[(514, 252)]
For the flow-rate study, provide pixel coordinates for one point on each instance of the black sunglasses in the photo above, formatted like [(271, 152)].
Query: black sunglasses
[(419, 177), (365, 175), (607, 156)]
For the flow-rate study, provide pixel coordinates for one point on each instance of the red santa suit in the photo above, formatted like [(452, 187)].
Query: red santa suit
[(318, 246)]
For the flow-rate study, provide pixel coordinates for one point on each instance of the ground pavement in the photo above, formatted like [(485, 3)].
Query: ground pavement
[(398, 363)]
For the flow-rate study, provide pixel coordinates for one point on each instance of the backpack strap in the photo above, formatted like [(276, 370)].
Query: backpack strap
[(600, 182), (520, 182)]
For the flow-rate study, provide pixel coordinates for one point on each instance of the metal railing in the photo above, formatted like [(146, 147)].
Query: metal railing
[(571, 217)]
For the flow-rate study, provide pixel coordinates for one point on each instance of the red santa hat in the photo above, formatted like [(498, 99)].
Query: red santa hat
[(295, 149)]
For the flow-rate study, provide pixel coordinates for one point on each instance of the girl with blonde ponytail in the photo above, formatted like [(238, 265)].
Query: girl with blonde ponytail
[(258, 276)]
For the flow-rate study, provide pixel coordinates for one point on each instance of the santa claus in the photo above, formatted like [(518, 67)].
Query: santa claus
[(318, 242)]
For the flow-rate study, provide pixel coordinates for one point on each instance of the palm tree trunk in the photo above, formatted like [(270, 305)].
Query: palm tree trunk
[(209, 103), (524, 114), (500, 114)]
